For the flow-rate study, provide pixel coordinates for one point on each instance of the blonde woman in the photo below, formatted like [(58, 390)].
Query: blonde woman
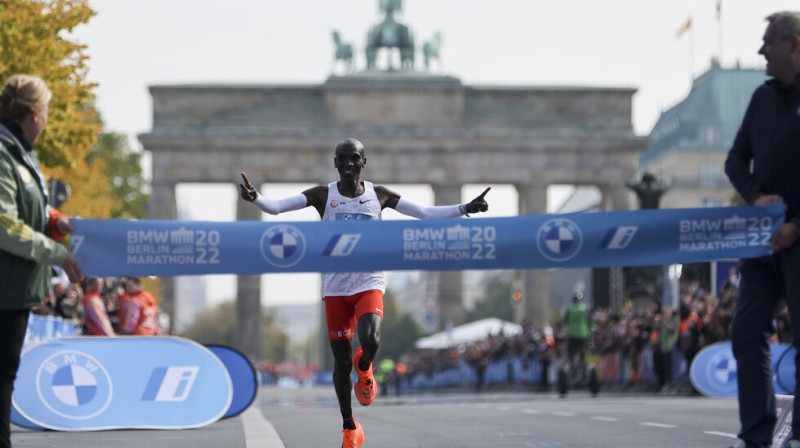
[(28, 227)]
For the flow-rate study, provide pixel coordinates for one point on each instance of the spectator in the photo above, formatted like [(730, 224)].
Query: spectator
[(29, 229), (95, 316), (577, 333), (138, 310)]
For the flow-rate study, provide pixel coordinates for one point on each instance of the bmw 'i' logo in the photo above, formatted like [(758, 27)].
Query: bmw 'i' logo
[(74, 385), (559, 239), (283, 246)]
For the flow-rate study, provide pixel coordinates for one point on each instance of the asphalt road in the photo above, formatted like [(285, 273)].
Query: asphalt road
[(309, 417), (306, 418)]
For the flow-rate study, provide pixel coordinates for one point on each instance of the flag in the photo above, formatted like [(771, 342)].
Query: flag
[(686, 27)]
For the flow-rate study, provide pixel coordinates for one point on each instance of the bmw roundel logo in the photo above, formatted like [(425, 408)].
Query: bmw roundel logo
[(283, 246), (74, 385), (721, 373), (559, 239)]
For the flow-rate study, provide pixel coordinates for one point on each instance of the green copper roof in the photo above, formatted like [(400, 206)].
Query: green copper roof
[(709, 117)]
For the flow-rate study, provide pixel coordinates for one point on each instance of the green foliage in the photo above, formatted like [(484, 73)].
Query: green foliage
[(274, 341), (398, 330), (35, 39), (216, 326), (125, 178), (496, 302)]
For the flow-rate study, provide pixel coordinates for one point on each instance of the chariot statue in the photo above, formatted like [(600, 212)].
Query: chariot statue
[(431, 50), (390, 34), (344, 52)]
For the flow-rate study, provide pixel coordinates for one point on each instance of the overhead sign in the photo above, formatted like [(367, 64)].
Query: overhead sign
[(94, 383), (622, 238)]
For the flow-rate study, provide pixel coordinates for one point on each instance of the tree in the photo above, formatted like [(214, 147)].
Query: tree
[(495, 302), (34, 39), (216, 326), (398, 330), (125, 179)]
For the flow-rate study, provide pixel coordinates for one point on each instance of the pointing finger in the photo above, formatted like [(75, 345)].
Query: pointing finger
[(246, 181), (483, 194)]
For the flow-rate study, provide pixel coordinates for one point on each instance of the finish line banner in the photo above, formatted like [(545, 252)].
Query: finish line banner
[(107, 248)]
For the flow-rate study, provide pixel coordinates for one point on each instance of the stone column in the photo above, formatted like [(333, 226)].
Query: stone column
[(616, 197), (163, 206), (451, 306), (620, 198), (247, 332), (535, 283)]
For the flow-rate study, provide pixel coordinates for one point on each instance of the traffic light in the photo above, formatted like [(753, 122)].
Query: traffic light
[(516, 297)]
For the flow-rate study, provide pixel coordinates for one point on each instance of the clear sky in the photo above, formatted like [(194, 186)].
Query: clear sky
[(134, 44)]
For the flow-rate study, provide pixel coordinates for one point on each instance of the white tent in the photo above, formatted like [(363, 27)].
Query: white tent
[(467, 333)]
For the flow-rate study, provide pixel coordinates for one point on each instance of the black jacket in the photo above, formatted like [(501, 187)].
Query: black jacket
[(769, 137)]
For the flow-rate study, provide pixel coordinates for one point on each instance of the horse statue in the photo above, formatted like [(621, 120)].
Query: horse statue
[(344, 52), (390, 34), (432, 50)]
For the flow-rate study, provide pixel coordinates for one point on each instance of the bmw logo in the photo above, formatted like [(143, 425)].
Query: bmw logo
[(721, 373), (559, 239), (283, 246), (74, 385)]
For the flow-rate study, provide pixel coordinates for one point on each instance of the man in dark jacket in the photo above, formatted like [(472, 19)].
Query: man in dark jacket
[(763, 166)]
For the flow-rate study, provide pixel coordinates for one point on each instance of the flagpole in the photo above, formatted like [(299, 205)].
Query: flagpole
[(719, 31), (691, 56)]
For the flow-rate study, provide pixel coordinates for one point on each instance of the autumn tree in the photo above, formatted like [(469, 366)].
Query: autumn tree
[(35, 39), (125, 178)]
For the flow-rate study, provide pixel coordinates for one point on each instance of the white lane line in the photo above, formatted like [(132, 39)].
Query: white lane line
[(531, 411), (657, 425), (600, 418), (720, 433), (258, 431), (564, 413)]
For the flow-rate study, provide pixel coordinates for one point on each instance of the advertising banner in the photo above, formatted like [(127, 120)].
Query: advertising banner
[(622, 238), (243, 378), (96, 383), (713, 370)]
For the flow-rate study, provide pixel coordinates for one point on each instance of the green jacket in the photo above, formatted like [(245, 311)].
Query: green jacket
[(577, 321), (26, 250)]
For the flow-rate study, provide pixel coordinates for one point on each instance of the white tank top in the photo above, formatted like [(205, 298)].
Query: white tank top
[(341, 208)]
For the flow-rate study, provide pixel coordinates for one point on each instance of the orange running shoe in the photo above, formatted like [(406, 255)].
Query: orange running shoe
[(366, 389), (353, 438)]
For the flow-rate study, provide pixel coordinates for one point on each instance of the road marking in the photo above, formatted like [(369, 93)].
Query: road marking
[(600, 418), (657, 425), (720, 433), (531, 411), (564, 413), (258, 431)]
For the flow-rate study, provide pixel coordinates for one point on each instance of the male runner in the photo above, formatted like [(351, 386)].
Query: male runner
[(356, 296)]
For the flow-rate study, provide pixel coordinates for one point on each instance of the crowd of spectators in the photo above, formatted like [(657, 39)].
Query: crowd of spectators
[(101, 306), (640, 343)]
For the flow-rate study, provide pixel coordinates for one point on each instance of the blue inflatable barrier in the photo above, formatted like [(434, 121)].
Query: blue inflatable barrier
[(96, 383), (243, 377), (713, 370), (784, 372)]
